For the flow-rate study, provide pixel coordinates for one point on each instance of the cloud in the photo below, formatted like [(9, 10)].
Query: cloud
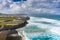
[(8, 6), (30, 6), (44, 6)]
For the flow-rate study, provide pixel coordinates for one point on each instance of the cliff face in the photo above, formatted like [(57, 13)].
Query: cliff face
[(14, 37), (6, 32), (10, 23), (11, 36), (15, 26), (3, 35)]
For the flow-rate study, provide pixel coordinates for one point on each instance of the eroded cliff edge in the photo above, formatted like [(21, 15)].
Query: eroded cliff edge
[(8, 26), (11, 22)]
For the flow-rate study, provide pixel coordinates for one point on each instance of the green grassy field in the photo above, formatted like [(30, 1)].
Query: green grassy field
[(6, 19)]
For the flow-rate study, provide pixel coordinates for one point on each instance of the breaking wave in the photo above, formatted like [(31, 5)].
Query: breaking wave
[(43, 29)]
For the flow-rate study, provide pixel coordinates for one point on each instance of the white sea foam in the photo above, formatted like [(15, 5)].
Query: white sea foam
[(55, 30), (52, 21), (54, 27), (33, 34)]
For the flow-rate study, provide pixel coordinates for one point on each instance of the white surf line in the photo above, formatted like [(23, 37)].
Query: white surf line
[(52, 21), (33, 34), (52, 28), (22, 34), (49, 29), (55, 30)]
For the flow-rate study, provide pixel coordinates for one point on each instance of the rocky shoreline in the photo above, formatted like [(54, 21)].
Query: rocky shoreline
[(15, 26), (10, 33)]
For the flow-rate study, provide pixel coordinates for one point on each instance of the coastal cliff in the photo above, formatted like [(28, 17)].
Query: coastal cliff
[(7, 31), (11, 22)]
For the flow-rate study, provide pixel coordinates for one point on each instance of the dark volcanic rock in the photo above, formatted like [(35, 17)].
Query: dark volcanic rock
[(14, 37)]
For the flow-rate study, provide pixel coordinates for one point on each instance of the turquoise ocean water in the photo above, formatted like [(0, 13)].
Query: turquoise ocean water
[(43, 28)]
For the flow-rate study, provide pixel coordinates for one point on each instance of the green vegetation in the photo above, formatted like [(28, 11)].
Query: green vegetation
[(6, 19), (6, 22)]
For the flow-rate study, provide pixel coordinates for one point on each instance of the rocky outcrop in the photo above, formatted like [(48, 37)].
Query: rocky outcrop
[(19, 24), (9, 33), (16, 26), (14, 37), (3, 35)]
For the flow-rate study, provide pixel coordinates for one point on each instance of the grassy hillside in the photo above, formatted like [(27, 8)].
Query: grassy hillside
[(2, 19)]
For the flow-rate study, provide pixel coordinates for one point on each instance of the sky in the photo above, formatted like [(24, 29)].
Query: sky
[(30, 6)]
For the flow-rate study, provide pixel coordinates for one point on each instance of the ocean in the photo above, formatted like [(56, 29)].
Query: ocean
[(43, 28)]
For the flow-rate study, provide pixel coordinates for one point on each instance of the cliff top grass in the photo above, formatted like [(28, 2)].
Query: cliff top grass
[(9, 22), (2, 19)]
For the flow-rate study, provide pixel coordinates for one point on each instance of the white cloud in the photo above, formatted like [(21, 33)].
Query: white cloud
[(29, 6), (42, 6)]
